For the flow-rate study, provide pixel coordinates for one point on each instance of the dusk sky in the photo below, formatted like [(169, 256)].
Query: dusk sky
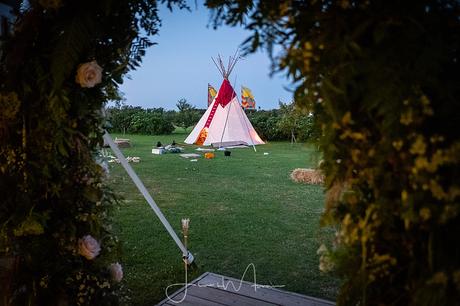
[(180, 65)]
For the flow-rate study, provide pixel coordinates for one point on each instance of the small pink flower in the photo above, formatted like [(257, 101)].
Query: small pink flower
[(89, 74), (88, 247), (116, 271)]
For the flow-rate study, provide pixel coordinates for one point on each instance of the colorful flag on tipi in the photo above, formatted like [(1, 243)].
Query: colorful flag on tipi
[(247, 98), (211, 94)]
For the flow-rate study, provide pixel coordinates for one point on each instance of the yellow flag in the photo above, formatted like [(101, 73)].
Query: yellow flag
[(211, 94), (247, 98)]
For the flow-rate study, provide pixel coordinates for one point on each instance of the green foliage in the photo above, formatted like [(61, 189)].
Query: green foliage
[(120, 118), (381, 78), (52, 190), (281, 124), (187, 116), (136, 120), (265, 122), (275, 124), (151, 122), (296, 123)]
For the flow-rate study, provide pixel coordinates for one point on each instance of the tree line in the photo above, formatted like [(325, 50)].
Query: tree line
[(129, 119), (284, 123)]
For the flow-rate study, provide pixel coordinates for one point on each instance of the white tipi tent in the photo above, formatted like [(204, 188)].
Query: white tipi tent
[(224, 123)]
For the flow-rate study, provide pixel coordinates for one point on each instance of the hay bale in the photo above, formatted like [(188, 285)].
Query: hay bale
[(122, 143), (307, 176)]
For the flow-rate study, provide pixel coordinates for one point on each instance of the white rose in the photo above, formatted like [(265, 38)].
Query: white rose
[(116, 271), (89, 74), (88, 247)]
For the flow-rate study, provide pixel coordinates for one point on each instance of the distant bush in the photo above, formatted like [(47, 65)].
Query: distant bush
[(305, 130), (295, 123), (265, 122), (281, 124), (187, 115), (136, 120), (275, 124)]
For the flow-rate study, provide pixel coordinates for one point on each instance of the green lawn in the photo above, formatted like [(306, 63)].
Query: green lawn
[(243, 209)]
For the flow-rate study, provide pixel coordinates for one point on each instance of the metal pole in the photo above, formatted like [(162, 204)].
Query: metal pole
[(187, 256)]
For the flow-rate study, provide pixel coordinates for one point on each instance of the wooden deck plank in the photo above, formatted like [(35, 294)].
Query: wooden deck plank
[(191, 300), (211, 289), (227, 298), (273, 295), (174, 296)]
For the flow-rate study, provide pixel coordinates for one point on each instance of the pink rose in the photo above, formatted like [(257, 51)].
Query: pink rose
[(116, 271), (88, 74), (88, 247)]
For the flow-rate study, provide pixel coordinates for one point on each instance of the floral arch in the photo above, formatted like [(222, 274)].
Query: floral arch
[(61, 61)]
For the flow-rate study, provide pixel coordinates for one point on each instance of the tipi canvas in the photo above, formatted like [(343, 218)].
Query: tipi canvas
[(224, 123)]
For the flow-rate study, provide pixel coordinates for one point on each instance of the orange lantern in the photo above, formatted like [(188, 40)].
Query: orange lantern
[(209, 155)]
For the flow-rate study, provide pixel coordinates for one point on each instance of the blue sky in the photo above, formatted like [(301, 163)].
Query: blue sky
[(180, 65)]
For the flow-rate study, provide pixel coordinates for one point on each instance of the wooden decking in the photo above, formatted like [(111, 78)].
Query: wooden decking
[(212, 289)]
